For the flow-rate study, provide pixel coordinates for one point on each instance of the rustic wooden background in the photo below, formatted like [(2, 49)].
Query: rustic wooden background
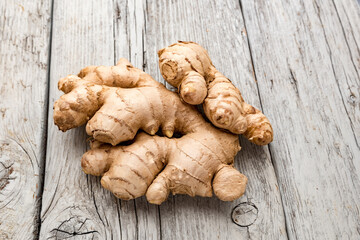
[(298, 61)]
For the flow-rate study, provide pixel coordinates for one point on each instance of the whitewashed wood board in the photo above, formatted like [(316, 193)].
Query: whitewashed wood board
[(24, 41), (304, 61)]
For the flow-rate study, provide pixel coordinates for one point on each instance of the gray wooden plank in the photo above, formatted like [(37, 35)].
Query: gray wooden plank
[(75, 204), (139, 219), (303, 64), (218, 26), (345, 53), (24, 40)]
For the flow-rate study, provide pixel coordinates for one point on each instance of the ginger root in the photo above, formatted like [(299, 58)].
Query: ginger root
[(187, 66), (118, 101)]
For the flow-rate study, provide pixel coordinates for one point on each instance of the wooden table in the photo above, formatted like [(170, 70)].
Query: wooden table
[(298, 61)]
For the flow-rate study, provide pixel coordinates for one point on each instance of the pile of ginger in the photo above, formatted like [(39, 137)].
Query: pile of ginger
[(132, 120)]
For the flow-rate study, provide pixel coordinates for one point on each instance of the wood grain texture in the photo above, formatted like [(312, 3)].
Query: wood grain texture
[(74, 204), (218, 26), (298, 61), (24, 40), (345, 54), (305, 64)]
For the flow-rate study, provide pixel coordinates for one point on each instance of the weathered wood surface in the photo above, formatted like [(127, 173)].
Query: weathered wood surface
[(306, 60), (346, 66), (299, 61), (24, 40)]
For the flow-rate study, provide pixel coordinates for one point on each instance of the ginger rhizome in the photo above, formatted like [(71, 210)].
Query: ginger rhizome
[(117, 102), (187, 66)]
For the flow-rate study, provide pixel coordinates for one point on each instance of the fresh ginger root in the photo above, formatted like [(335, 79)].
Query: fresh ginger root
[(187, 66), (116, 102)]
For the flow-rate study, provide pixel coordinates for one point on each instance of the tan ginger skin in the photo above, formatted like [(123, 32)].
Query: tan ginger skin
[(116, 102), (187, 66)]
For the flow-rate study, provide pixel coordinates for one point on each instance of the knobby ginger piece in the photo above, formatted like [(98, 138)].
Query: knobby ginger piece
[(118, 101)]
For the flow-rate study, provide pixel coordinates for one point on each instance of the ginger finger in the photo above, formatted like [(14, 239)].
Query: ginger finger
[(223, 104)]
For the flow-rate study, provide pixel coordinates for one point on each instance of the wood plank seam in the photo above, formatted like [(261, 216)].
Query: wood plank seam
[(116, 14), (46, 117)]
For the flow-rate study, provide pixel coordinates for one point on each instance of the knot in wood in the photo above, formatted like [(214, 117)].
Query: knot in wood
[(244, 214), (75, 226), (6, 164)]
